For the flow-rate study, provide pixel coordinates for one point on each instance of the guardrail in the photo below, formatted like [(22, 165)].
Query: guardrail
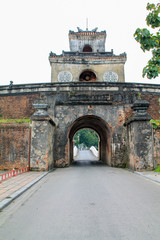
[(13, 173), (94, 151), (75, 151)]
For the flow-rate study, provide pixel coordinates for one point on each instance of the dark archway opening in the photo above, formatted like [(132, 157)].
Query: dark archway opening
[(103, 131), (87, 76), (87, 48)]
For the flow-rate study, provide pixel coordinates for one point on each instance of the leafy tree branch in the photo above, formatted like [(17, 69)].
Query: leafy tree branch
[(151, 41)]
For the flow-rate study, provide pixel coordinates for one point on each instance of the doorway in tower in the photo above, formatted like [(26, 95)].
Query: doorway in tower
[(86, 145)]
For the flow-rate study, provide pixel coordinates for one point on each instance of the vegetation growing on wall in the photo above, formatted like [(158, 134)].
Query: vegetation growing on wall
[(155, 123), (157, 169), (86, 138), (3, 121)]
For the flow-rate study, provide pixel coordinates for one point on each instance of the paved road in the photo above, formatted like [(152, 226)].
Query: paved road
[(85, 202)]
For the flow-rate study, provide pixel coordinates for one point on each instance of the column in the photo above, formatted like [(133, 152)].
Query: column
[(140, 137), (42, 139)]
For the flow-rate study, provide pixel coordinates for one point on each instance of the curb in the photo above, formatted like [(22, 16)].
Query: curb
[(154, 180), (16, 194)]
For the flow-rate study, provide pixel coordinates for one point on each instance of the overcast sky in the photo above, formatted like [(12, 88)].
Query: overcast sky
[(30, 29)]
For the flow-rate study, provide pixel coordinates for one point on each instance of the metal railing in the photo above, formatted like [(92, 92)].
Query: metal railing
[(13, 173)]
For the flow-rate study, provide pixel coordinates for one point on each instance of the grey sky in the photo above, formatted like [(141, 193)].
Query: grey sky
[(30, 29)]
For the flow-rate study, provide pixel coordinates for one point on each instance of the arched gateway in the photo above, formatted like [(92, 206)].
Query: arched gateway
[(103, 130), (65, 112)]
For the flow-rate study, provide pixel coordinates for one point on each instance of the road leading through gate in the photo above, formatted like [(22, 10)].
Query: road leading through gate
[(85, 155)]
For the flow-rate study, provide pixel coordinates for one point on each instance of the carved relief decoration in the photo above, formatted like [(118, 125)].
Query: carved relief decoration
[(110, 76), (64, 76)]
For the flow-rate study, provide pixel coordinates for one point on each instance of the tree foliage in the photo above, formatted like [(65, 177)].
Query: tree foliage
[(86, 138), (151, 41)]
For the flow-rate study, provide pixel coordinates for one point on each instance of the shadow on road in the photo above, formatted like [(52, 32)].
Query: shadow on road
[(85, 158), (87, 163)]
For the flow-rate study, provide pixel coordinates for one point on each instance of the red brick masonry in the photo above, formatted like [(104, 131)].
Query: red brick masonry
[(14, 145)]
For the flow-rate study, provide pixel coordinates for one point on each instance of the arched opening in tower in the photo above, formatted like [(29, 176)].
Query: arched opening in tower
[(87, 48), (87, 76)]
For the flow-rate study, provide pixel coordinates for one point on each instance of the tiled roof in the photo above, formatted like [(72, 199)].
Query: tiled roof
[(87, 33)]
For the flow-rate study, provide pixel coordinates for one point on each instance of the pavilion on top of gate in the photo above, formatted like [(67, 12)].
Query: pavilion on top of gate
[(87, 60)]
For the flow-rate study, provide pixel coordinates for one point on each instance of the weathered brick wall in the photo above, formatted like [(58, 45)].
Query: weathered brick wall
[(156, 146), (67, 102), (14, 145), (154, 108), (17, 106)]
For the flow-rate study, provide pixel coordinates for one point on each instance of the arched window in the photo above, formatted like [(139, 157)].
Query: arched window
[(87, 76), (87, 48)]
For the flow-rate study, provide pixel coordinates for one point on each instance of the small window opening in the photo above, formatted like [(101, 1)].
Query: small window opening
[(87, 76), (87, 48)]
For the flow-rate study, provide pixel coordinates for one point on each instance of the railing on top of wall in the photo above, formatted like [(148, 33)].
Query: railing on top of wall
[(13, 173)]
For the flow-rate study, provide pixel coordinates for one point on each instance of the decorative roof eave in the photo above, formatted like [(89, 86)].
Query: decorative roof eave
[(86, 54), (87, 33), (88, 60)]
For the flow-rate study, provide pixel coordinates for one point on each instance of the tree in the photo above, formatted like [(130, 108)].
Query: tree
[(151, 41), (87, 138)]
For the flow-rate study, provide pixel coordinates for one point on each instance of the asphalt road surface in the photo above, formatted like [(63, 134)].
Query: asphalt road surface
[(87, 201)]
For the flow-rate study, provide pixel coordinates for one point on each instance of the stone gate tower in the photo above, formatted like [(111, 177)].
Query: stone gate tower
[(87, 60), (87, 90)]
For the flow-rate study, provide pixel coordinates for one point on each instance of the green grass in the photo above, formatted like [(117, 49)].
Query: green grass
[(14, 121), (157, 169)]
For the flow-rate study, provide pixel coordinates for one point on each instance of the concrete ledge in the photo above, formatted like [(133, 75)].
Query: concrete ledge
[(79, 86), (149, 175)]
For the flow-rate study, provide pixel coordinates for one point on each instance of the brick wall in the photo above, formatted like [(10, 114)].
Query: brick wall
[(154, 107), (14, 145), (17, 106), (20, 106), (14, 138)]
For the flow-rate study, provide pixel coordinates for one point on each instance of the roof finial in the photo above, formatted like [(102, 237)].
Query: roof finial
[(86, 24)]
